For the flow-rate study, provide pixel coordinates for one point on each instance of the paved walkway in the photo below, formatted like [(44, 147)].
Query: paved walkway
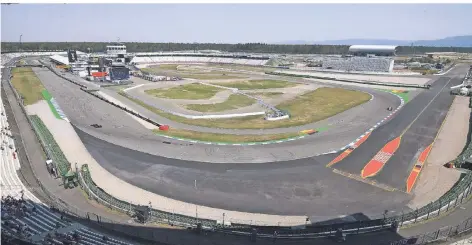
[(435, 179)]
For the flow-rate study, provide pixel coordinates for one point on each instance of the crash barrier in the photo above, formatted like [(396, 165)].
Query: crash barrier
[(461, 160), (441, 235), (61, 75), (121, 107), (52, 149), (350, 81), (99, 195), (454, 197)]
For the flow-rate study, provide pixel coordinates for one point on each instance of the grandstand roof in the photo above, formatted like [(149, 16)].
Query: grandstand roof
[(60, 59), (372, 48)]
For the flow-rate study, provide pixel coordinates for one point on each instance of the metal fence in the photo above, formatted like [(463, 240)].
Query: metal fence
[(459, 194), (441, 235)]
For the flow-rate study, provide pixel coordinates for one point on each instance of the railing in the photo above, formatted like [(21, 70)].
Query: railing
[(53, 151), (457, 195)]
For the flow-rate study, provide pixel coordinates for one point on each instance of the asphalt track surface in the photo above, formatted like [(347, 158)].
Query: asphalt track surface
[(285, 187), (427, 111), (83, 110)]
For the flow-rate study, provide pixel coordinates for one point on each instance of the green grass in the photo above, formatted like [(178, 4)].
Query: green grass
[(242, 67), (226, 138), (307, 108), (234, 101), (210, 76), (27, 84), (47, 96), (193, 91), (168, 66), (258, 84), (267, 94), (405, 96)]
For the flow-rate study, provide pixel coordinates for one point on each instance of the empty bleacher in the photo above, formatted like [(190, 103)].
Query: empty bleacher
[(26, 218), (359, 64), (197, 60)]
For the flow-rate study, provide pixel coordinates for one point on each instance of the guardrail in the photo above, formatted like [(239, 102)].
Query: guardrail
[(350, 81), (457, 195), (51, 149)]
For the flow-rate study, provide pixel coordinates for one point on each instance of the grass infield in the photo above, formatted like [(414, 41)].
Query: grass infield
[(193, 91), (307, 108), (27, 84), (224, 138), (257, 84), (234, 101)]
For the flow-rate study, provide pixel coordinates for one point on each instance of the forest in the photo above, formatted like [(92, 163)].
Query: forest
[(240, 47)]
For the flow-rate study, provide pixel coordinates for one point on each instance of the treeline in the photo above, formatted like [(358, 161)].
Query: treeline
[(240, 47)]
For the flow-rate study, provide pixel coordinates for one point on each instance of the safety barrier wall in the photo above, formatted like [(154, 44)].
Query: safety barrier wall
[(50, 148), (53, 151), (461, 160), (350, 81), (457, 195)]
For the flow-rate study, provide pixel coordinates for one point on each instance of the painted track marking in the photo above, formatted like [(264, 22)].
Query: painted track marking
[(376, 164), (415, 172)]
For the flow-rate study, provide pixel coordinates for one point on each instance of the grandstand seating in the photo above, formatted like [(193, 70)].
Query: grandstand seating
[(359, 64), (197, 59), (25, 217)]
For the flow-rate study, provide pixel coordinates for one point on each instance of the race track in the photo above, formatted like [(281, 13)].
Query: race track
[(288, 181)]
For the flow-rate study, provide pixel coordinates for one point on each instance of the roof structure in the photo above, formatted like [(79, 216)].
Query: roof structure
[(60, 59), (373, 48)]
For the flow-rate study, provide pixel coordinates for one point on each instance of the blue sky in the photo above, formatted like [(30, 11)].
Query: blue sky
[(232, 23)]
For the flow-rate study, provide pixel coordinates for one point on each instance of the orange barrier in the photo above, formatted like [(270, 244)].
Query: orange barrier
[(309, 131), (374, 166), (415, 172), (345, 153), (164, 127), (99, 74)]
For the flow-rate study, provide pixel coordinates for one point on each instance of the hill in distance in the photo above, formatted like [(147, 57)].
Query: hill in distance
[(456, 41)]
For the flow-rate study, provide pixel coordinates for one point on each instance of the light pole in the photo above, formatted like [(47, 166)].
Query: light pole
[(196, 206), (21, 35), (223, 220)]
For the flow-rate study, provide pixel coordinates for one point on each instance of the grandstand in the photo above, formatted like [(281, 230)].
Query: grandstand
[(359, 64), (28, 220), (199, 59), (366, 58)]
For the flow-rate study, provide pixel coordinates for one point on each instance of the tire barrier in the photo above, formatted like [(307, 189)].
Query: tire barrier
[(428, 86)]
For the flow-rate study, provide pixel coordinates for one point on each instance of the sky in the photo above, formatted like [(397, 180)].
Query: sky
[(232, 23)]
